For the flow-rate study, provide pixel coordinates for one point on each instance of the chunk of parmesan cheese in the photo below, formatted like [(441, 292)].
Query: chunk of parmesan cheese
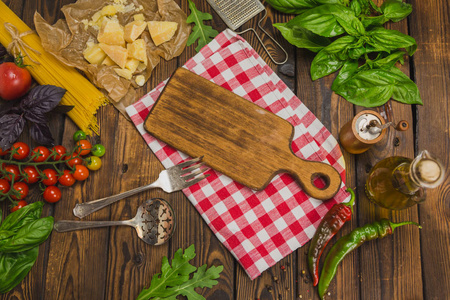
[(118, 54)]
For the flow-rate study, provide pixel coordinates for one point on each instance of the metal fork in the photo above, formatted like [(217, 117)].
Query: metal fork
[(171, 180)]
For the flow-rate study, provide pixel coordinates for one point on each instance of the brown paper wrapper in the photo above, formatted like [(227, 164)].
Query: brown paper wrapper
[(67, 39)]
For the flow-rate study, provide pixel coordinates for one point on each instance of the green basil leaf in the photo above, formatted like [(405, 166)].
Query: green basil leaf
[(375, 87), (387, 40), (331, 58), (406, 91), (375, 7), (22, 216), (356, 53), (29, 236), (347, 71), (374, 21), (396, 10), (301, 37), (292, 6), (323, 24), (389, 61), (14, 267), (299, 6)]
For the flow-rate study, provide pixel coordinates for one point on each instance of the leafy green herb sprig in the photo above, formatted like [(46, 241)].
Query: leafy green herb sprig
[(21, 233), (176, 279), (201, 32), (349, 36)]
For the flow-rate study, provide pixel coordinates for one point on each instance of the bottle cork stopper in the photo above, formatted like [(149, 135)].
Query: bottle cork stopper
[(429, 170)]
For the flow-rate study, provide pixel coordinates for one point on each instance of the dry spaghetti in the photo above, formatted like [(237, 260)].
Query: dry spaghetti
[(46, 69)]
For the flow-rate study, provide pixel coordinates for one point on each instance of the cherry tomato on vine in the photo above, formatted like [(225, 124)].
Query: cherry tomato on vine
[(4, 186), (22, 188), (80, 173), (21, 150), (93, 163), (14, 81), (3, 152), (98, 150), (13, 171), (50, 177), (52, 194), (42, 153), (83, 147), (73, 160), (19, 205), (79, 135), (60, 152), (66, 179), (32, 175)]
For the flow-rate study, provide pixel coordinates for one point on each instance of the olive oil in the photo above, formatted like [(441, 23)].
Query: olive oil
[(399, 182)]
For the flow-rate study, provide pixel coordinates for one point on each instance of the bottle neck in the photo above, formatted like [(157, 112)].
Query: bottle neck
[(403, 181)]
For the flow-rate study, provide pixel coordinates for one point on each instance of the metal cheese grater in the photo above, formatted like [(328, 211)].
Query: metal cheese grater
[(235, 13)]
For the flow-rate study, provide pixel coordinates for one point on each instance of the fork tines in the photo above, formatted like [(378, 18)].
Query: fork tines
[(193, 168)]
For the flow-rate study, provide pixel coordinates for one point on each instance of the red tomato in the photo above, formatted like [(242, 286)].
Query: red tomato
[(41, 153), (32, 175), (13, 171), (52, 194), (21, 150), (83, 147), (19, 205), (22, 188), (4, 186), (3, 152), (73, 160), (50, 177), (66, 179), (14, 81), (60, 151), (80, 173)]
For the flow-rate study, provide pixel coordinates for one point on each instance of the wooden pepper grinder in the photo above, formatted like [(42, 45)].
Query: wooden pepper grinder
[(365, 130)]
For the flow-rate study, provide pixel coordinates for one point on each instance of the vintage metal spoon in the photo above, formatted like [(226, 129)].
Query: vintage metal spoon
[(154, 222)]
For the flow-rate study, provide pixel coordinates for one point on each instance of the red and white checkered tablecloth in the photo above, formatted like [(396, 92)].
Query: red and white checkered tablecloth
[(258, 228)]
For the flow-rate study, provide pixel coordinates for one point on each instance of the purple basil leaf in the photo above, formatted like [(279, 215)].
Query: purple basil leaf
[(35, 118), (42, 99), (8, 107), (11, 126), (41, 134)]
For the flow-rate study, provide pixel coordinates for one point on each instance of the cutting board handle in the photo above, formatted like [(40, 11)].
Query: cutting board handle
[(305, 172)]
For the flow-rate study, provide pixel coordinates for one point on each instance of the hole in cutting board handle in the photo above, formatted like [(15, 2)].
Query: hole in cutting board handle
[(320, 181)]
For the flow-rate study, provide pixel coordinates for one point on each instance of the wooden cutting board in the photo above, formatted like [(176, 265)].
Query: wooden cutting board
[(235, 137)]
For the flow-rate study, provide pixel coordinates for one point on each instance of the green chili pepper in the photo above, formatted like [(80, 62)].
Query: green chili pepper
[(350, 242)]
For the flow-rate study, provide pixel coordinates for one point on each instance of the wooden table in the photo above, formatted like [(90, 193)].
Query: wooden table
[(112, 263)]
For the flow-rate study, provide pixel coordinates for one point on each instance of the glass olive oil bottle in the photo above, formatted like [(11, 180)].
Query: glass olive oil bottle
[(399, 182)]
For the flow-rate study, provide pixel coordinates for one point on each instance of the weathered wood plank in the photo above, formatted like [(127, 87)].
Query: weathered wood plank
[(430, 25)]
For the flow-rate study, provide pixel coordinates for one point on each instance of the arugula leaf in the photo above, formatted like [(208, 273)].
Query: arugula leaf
[(175, 280), (202, 32), (301, 37), (375, 87)]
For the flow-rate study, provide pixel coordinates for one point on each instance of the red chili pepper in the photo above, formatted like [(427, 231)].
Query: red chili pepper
[(331, 223)]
